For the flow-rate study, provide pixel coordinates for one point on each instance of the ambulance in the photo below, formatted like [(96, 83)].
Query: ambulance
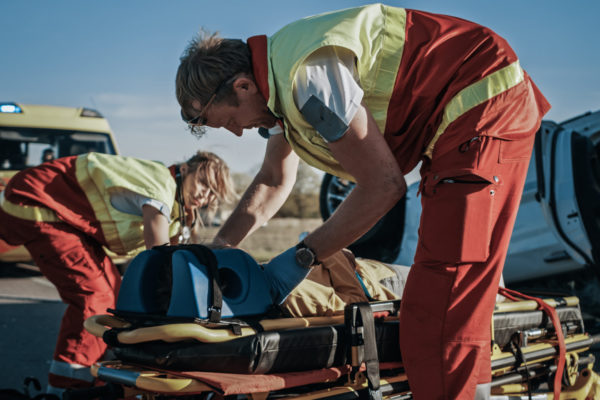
[(32, 134)]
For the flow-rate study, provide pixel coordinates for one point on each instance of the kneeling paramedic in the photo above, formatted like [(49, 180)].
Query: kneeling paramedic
[(64, 211)]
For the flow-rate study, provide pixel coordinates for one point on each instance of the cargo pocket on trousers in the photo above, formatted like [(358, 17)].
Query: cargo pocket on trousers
[(514, 151), (457, 218)]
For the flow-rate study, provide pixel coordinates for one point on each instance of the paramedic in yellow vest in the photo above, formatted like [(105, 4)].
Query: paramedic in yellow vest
[(365, 94), (64, 211)]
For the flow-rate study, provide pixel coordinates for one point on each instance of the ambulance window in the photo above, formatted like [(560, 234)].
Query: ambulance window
[(26, 147)]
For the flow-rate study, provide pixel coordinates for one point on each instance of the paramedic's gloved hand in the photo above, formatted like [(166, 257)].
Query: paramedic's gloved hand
[(284, 274)]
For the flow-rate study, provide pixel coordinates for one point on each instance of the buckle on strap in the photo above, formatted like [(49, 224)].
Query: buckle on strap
[(214, 313)]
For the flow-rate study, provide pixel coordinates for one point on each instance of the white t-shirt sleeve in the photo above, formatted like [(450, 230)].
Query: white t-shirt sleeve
[(327, 92), (275, 130), (130, 202)]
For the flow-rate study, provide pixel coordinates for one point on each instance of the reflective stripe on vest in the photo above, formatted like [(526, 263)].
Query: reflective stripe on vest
[(475, 94), (29, 213), (98, 174), (375, 34), (100, 206)]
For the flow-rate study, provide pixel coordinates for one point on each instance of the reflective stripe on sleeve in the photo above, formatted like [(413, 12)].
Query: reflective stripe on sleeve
[(475, 94), (30, 213)]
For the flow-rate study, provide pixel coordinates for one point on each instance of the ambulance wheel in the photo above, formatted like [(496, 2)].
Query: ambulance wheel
[(382, 241)]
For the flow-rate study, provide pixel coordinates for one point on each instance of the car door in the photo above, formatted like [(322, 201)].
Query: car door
[(557, 229), (560, 233)]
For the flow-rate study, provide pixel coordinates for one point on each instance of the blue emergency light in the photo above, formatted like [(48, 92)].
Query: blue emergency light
[(10, 108)]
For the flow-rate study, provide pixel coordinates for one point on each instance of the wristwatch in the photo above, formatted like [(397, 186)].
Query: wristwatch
[(305, 256)]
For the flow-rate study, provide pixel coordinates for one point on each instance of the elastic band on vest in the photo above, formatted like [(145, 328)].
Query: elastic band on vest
[(475, 94), (30, 213)]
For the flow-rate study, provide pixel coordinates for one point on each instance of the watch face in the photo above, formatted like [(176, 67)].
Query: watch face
[(305, 257)]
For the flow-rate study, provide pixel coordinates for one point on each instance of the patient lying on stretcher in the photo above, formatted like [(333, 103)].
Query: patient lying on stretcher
[(343, 279), (178, 282)]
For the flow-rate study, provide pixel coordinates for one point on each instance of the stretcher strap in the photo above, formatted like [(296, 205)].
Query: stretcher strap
[(551, 312), (111, 337), (360, 315), (206, 257)]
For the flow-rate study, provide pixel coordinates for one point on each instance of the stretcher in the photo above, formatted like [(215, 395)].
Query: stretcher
[(354, 355)]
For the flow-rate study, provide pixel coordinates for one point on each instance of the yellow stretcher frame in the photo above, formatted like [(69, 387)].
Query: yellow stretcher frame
[(582, 383), (531, 305), (140, 381), (98, 324), (149, 383)]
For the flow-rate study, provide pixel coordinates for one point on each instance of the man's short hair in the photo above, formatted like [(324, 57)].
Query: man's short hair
[(207, 62)]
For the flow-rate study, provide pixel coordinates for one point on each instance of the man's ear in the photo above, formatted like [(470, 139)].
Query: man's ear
[(196, 105), (244, 84)]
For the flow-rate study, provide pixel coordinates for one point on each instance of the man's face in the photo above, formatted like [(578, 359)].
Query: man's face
[(250, 112)]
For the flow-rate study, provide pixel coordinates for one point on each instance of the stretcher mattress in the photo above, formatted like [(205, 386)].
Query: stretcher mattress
[(314, 347), (265, 352)]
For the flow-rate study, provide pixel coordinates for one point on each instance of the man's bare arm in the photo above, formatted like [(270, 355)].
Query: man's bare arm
[(265, 195), (364, 153)]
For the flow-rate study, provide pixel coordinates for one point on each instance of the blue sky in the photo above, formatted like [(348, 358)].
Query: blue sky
[(120, 57)]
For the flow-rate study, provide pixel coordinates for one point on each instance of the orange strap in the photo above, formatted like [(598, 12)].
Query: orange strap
[(551, 312)]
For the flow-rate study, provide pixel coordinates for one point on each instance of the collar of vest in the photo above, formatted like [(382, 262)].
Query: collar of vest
[(260, 65), (172, 170), (259, 53)]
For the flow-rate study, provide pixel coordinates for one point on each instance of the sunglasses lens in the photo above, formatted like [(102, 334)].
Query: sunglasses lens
[(197, 130)]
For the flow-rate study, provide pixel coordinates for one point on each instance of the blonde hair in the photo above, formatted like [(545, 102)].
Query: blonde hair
[(213, 172), (206, 63)]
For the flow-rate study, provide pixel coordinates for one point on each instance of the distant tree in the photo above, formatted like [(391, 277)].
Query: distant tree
[(308, 181), (303, 201), (241, 181)]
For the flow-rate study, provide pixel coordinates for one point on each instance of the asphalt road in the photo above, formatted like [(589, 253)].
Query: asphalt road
[(30, 315)]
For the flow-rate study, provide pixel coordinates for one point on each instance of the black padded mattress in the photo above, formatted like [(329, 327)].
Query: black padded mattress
[(310, 348), (265, 352)]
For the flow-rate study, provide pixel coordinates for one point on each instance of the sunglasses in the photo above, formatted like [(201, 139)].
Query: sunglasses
[(196, 124)]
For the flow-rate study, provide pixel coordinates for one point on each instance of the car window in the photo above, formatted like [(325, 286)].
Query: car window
[(27, 147)]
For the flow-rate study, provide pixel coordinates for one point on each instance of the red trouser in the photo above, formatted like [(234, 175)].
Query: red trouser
[(470, 195), (86, 279)]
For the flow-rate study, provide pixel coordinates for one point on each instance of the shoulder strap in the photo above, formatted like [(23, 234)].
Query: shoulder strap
[(207, 258), (360, 327)]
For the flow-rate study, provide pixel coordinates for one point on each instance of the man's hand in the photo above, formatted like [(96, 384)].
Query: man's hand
[(284, 274)]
